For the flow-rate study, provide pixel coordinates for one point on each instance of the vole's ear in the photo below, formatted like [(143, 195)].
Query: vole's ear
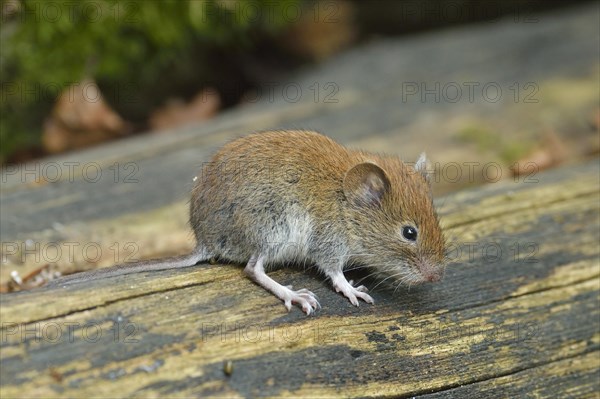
[(422, 165), (365, 184)]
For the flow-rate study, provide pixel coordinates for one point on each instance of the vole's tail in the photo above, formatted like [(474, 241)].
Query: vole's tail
[(174, 262)]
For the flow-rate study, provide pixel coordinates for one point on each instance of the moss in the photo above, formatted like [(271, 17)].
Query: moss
[(139, 52), (484, 139), (512, 151), (508, 149)]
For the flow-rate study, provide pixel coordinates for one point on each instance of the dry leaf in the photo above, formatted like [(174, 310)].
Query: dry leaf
[(176, 112), (81, 118)]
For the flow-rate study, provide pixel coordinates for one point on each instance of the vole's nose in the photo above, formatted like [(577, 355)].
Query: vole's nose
[(430, 273)]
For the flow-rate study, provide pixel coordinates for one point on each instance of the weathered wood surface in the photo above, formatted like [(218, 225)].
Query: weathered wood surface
[(498, 325), (502, 323)]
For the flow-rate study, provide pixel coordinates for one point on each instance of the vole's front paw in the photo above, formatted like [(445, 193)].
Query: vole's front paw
[(351, 292), (305, 298)]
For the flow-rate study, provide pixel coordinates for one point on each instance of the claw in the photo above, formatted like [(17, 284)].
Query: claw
[(303, 297), (340, 284)]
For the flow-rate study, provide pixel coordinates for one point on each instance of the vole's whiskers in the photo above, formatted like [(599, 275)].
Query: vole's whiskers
[(392, 276)]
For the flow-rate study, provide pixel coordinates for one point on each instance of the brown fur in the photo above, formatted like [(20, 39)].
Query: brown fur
[(256, 184)]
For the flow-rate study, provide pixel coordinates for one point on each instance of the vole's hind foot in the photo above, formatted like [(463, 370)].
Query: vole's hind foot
[(340, 284), (306, 299)]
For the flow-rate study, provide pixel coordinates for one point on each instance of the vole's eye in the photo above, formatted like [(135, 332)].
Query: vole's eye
[(410, 233)]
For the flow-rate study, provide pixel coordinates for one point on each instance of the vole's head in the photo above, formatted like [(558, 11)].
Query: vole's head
[(392, 222)]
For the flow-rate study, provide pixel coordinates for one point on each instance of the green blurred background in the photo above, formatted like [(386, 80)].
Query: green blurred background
[(143, 54)]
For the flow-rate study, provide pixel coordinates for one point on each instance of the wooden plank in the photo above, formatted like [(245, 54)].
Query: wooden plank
[(548, 380), (495, 316)]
